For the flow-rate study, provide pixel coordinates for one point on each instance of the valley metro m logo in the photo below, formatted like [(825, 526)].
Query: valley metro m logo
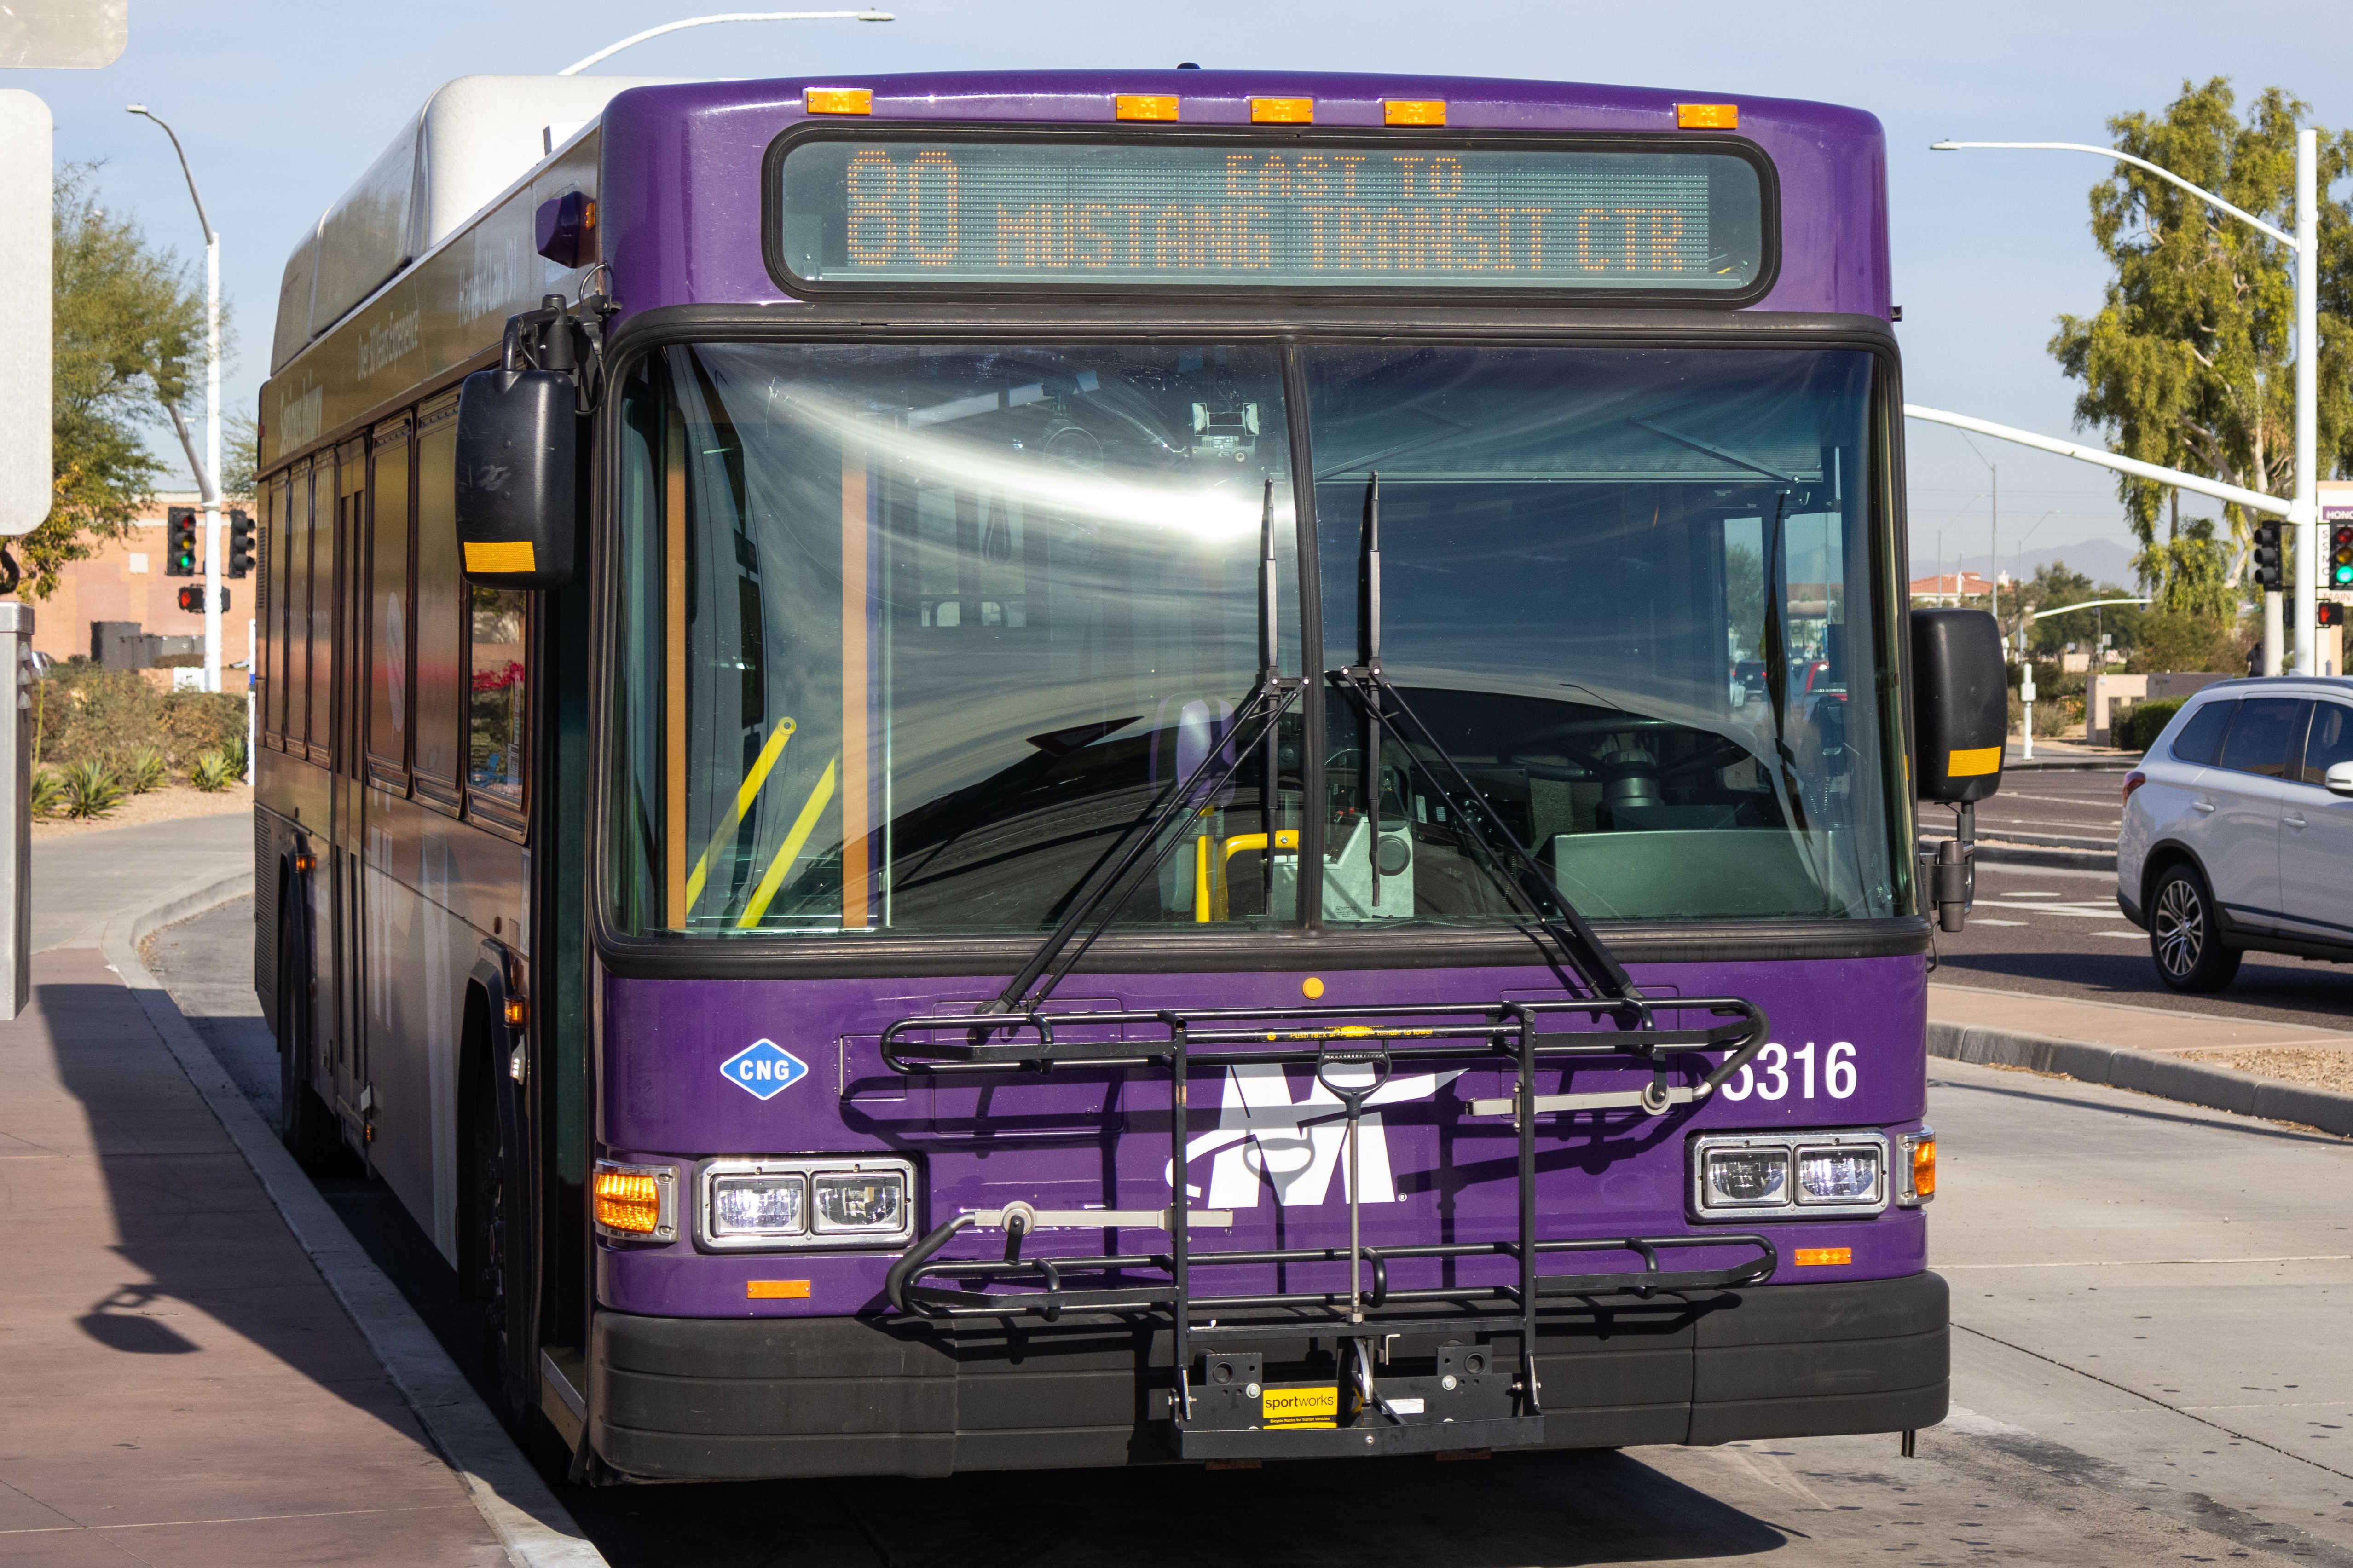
[(1264, 1136)]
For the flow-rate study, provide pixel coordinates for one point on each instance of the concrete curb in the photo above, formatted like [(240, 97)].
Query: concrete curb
[(536, 1529), (2168, 1078)]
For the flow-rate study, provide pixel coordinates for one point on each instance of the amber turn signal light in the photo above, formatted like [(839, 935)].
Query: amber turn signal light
[(628, 1201), (1924, 1168)]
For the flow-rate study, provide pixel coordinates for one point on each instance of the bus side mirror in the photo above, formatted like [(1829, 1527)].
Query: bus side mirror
[(1961, 705), (1960, 719), (518, 461)]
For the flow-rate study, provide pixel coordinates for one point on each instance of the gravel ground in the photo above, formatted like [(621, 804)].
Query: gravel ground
[(169, 804), (2314, 1067)]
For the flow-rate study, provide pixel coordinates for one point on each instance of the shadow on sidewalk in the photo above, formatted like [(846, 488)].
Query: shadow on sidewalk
[(191, 1223), (2317, 994)]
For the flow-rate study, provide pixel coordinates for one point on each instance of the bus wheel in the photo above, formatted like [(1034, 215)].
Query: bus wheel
[(493, 1242), (302, 1124)]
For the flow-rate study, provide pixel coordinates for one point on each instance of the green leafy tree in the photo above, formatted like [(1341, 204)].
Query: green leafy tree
[(128, 336), (2189, 361)]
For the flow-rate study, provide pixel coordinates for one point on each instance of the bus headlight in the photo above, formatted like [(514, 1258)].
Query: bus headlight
[(803, 1202), (857, 1202), (1742, 1178), (755, 1205), (1844, 1175), (1816, 1175)]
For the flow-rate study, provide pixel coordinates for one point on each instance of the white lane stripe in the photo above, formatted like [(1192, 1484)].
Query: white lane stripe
[(1990, 920)]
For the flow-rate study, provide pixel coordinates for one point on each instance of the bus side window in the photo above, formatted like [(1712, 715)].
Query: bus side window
[(321, 731), (496, 709), (298, 610), (386, 628), (263, 654), (438, 655)]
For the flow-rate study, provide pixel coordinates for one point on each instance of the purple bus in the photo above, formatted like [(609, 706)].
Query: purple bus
[(982, 771)]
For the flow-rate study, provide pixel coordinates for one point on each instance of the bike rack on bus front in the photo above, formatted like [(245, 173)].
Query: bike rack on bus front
[(1467, 1403)]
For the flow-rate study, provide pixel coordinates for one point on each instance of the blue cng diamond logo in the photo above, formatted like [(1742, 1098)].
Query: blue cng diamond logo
[(764, 1069)]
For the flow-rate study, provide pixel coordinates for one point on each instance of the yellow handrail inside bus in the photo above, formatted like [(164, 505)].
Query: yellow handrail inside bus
[(789, 851), (1284, 838), (745, 794)]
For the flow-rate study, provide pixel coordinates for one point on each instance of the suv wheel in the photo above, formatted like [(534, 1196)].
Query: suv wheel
[(2184, 936)]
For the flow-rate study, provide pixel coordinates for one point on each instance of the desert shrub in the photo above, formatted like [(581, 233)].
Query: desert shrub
[(145, 770), (48, 792), (92, 788), (2139, 728), (89, 714), (213, 772)]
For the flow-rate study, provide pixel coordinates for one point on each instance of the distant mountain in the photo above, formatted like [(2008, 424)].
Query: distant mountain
[(2101, 560)]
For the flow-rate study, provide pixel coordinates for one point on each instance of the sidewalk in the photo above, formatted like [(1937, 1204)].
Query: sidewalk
[(2196, 1057), (181, 1385)]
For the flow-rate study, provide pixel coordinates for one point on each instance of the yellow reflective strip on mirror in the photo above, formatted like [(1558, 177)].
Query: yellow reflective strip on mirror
[(507, 555), (1974, 763)]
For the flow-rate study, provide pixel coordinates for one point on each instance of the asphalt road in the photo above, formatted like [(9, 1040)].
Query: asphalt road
[(2150, 1365), (2059, 930)]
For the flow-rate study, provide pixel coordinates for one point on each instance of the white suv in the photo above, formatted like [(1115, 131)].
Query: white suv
[(2238, 829)]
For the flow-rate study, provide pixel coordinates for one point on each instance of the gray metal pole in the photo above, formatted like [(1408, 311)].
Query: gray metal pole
[(17, 779)]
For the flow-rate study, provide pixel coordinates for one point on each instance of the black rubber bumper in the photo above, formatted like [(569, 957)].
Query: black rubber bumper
[(740, 1399)]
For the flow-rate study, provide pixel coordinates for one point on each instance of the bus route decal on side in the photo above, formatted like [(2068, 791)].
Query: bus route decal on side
[(764, 1069)]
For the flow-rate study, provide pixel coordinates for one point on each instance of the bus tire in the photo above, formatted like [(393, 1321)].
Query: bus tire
[(495, 1234), (2185, 937), (302, 1123)]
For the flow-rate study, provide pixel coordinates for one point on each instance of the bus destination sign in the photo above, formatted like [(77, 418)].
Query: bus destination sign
[(1030, 213)]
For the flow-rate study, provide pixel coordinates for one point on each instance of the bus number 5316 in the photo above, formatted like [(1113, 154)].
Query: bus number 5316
[(1769, 1075)]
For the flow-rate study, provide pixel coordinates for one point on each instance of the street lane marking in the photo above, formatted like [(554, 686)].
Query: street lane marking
[(2127, 935), (2156, 1262), (1990, 920), (2023, 894)]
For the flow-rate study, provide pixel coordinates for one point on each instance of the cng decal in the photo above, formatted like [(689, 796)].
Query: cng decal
[(764, 1069), (1264, 1137)]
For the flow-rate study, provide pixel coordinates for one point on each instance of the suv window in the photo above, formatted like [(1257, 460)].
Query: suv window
[(2202, 736), (2331, 739), (2260, 740)]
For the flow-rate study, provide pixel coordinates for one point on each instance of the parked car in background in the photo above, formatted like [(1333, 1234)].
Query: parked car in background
[(2238, 829)]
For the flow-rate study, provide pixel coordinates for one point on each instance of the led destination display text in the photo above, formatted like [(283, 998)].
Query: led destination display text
[(1307, 214)]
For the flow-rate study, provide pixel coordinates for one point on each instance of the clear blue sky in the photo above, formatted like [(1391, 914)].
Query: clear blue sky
[(281, 105)]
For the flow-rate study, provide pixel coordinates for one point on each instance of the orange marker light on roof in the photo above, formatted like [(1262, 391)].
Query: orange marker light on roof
[(1282, 111), (1414, 111), (839, 101), (1707, 116), (1145, 106)]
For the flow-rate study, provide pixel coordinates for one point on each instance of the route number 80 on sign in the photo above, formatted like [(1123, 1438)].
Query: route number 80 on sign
[(1776, 1069)]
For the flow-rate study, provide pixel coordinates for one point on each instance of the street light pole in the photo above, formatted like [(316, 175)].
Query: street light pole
[(2304, 518), (208, 472)]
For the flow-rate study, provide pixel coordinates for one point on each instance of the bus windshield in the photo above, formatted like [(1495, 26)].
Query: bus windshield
[(910, 638), (1628, 593)]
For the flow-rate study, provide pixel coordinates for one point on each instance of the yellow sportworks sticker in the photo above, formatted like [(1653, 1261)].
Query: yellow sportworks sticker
[(1315, 1405), (515, 555), (1973, 764)]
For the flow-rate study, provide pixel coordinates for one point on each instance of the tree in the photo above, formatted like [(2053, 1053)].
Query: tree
[(129, 335), (2189, 361)]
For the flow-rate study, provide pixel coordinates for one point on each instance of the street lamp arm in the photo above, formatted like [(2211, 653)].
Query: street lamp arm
[(2086, 604), (205, 487), (609, 50), (2202, 194), (187, 173), (2253, 500)]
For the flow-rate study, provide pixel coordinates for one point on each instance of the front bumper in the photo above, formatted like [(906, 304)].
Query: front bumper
[(741, 1399)]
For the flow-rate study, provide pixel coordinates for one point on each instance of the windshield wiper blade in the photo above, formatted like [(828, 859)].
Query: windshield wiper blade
[(1272, 696), (1579, 946)]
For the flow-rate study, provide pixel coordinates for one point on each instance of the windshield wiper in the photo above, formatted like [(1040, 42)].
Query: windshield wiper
[(1272, 696), (1522, 872)]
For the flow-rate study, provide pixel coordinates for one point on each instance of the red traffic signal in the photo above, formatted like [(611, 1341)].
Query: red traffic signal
[(183, 555), (2329, 613), (193, 601)]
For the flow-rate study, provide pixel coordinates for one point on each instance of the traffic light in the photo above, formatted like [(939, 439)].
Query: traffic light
[(2340, 556), (183, 556), (193, 601), (2328, 613), (2271, 575), (240, 543)]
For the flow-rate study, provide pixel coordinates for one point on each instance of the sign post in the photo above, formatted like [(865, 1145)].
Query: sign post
[(25, 486)]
